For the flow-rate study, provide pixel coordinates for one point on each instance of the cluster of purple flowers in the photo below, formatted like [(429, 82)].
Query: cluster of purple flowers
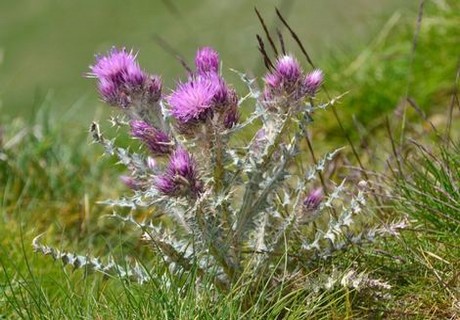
[(204, 96), (122, 83), (287, 82), (204, 99)]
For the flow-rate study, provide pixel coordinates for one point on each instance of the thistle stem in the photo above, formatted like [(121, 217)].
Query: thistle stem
[(246, 212)]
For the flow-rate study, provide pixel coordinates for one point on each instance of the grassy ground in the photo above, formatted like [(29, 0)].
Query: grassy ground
[(51, 180)]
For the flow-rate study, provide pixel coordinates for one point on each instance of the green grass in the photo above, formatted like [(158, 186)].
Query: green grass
[(51, 180), (391, 68), (429, 187)]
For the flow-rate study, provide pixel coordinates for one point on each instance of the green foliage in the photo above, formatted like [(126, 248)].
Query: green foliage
[(399, 62), (49, 163), (44, 292), (428, 187)]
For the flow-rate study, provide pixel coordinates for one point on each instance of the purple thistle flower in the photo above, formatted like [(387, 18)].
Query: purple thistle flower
[(180, 177), (157, 141), (121, 81), (118, 66), (273, 81), (313, 200), (283, 81), (285, 77), (203, 96), (313, 81), (288, 69), (207, 61), (194, 100), (167, 185), (286, 85), (119, 76), (223, 95)]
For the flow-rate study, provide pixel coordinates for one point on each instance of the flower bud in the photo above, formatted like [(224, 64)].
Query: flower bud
[(180, 177), (157, 141), (313, 200), (309, 210), (313, 81), (207, 61)]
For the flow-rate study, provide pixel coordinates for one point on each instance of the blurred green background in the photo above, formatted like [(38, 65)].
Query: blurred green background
[(47, 45)]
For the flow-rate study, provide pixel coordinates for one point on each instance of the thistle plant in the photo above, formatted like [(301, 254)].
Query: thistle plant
[(220, 205)]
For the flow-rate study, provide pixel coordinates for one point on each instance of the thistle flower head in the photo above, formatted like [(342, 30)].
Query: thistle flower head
[(119, 75), (118, 66), (288, 69), (180, 177), (196, 99), (285, 81), (207, 61), (286, 85), (313, 200), (204, 95), (273, 81), (285, 76), (157, 141), (313, 81), (121, 81)]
